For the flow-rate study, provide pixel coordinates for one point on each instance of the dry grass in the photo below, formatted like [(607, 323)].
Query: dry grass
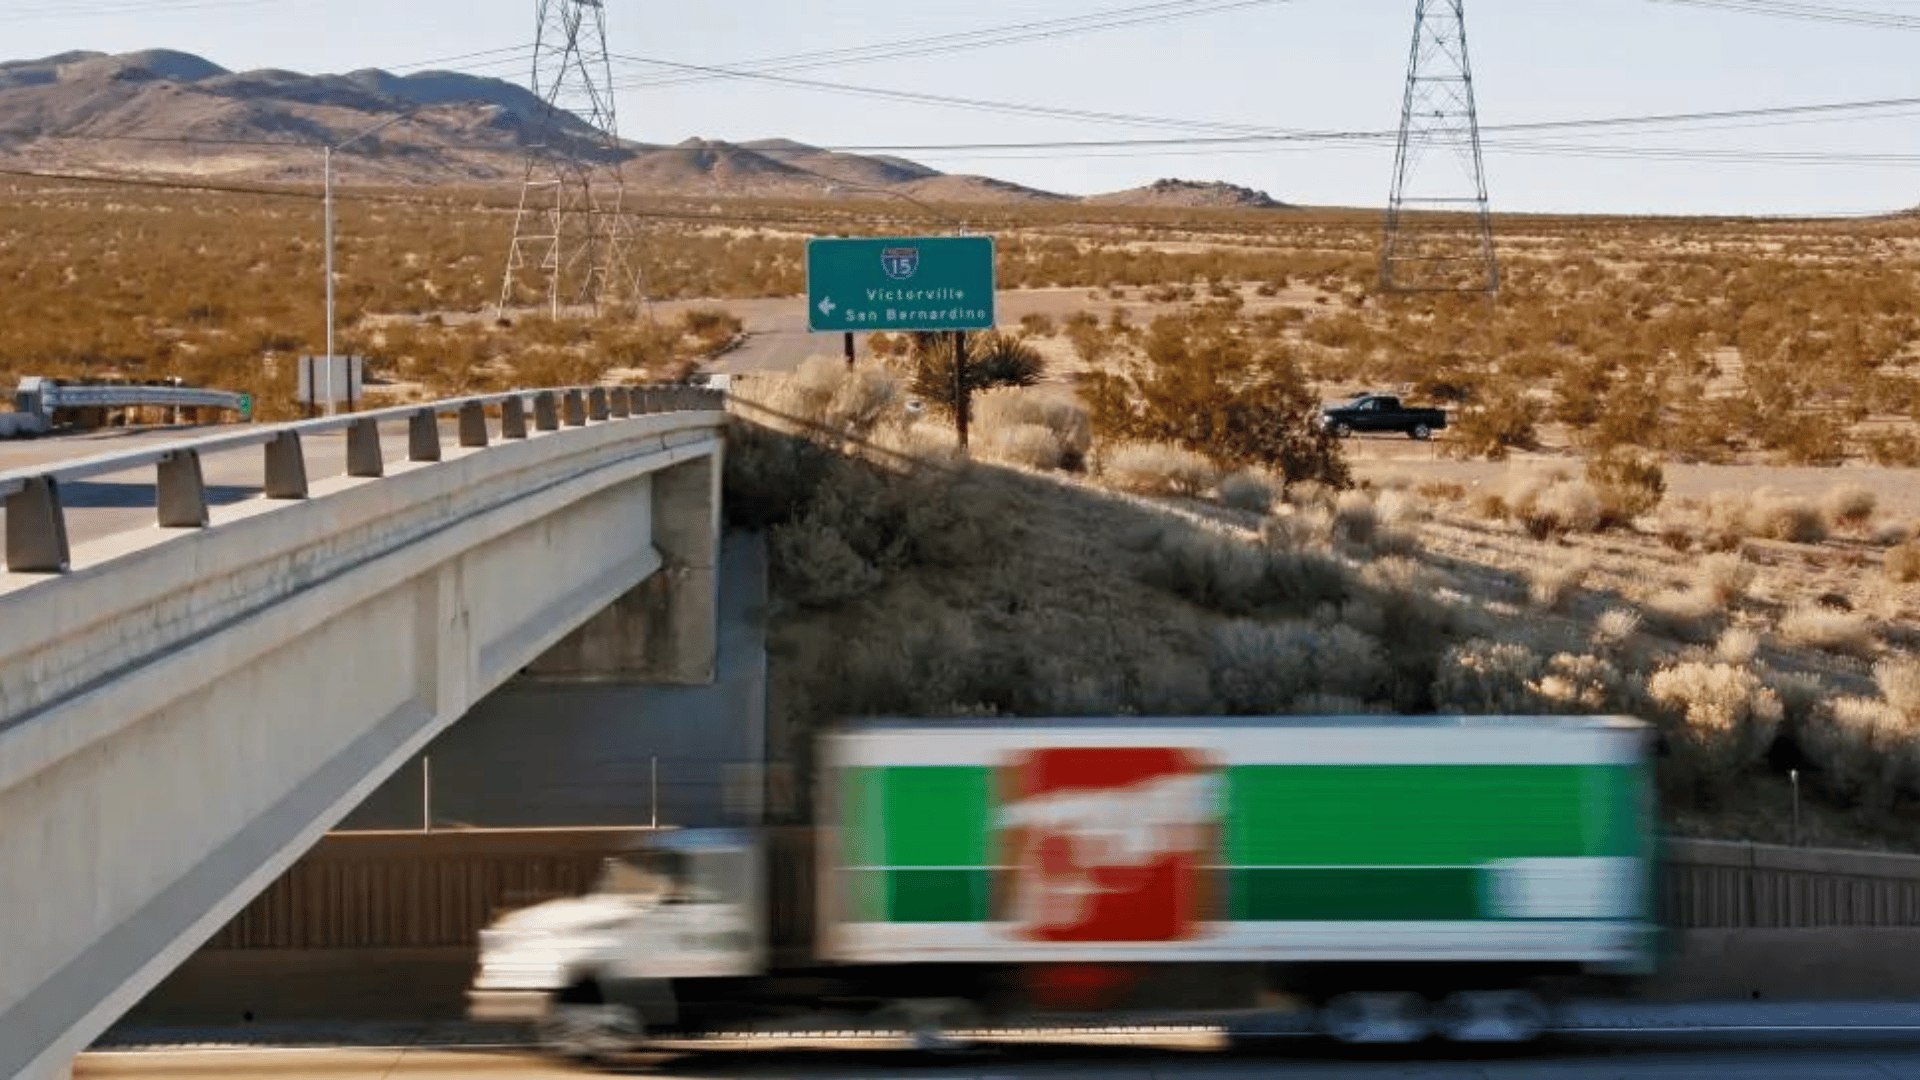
[(1812, 626)]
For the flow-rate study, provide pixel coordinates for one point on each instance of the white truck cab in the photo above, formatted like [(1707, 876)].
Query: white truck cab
[(687, 905)]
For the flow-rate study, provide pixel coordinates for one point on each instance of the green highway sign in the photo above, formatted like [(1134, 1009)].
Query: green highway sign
[(900, 283)]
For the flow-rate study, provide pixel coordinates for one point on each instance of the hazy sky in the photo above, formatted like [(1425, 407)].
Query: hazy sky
[(1287, 65)]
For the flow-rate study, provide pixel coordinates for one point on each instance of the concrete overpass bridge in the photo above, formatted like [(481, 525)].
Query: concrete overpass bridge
[(185, 708)]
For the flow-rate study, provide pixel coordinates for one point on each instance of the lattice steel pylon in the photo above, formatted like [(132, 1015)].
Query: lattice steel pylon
[(573, 235), (1439, 230)]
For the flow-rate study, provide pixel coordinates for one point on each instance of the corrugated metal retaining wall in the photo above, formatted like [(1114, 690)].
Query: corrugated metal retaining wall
[(424, 890)]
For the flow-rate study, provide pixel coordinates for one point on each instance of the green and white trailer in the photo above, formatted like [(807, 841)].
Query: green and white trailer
[(1389, 877)]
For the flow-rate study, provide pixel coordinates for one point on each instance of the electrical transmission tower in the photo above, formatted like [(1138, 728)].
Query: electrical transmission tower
[(572, 237), (1439, 232)]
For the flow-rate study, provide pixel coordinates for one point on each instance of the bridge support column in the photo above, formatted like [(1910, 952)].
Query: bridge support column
[(662, 630)]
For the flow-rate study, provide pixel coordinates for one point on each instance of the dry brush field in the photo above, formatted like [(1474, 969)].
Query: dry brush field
[(1680, 482)]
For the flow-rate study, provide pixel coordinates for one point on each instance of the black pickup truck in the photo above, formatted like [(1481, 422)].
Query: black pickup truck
[(1381, 412)]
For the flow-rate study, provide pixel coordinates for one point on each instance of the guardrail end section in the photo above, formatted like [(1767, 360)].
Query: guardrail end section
[(286, 467), (363, 449), (473, 424), (423, 436), (181, 498), (37, 529)]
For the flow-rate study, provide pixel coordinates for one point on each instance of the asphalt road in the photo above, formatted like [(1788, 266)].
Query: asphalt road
[(1753, 1054)]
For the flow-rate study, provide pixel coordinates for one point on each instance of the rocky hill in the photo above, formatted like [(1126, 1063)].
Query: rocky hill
[(160, 113)]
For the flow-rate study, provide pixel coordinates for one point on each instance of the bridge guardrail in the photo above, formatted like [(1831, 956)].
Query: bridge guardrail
[(36, 534)]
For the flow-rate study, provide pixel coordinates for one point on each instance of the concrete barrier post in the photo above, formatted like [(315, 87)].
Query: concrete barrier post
[(423, 436), (546, 412), (364, 457), (620, 401), (286, 467), (513, 418), (37, 528), (576, 405), (597, 403), (181, 498), (473, 424)]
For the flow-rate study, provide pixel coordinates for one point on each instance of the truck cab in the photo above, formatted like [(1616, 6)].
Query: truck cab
[(599, 969)]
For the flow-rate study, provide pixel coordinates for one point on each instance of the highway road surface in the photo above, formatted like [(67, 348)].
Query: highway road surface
[(1755, 1054)]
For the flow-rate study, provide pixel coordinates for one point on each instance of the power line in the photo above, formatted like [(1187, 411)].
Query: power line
[(972, 39), (1879, 20)]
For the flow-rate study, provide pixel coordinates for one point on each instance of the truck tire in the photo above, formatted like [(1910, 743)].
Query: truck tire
[(1375, 1017), (1421, 432), (1341, 429), (1493, 1016), (583, 1027)]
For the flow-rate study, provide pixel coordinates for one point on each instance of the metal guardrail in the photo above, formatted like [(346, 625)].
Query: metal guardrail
[(116, 396), (36, 533)]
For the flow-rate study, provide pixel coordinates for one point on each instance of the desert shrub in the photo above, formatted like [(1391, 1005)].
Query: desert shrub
[(1683, 614), (1894, 448), (1219, 393), (1550, 582), (1615, 627), (1481, 677), (1628, 484), (1037, 324), (1493, 429), (1903, 561), (1849, 506), (1248, 489), (1354, 519), (1718, 719), (1725, 576), (1266, 667), (1571, 684), (1815, 627), (1562, 507), (1034, 429), (1899, 682), (1737, 645), (1779, 516), (817, 567), (1864, 751), (1157, 469)]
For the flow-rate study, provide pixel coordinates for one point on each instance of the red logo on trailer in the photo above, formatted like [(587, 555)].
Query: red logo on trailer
[(1107, 843)]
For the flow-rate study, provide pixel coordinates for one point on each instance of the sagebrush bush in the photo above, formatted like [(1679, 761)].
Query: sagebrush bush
[(1683, 614), (1719, 718), (1562, 507), (1899, 682), (1250, 490), (1157, 469), (1779, 516), (1064, 419), (1551, 582), (1815, 627), (1849, 506), (1725, 576), (1629, 484), (1481, 677), (1863, 751), (1267, 667), (1615, 627), (1903, 561)]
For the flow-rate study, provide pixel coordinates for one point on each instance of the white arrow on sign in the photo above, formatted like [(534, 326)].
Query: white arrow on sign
[(827, 305)]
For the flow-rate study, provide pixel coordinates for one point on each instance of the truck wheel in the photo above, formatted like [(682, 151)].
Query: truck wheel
[(590, 1034), (1377, 1018), (1506, 1016), (1421, 431), (1341, 429)]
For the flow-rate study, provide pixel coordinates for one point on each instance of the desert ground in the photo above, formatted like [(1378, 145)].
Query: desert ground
[(1678, 482)]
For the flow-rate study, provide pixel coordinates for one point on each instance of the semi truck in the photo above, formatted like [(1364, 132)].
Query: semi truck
[(1382, 879)]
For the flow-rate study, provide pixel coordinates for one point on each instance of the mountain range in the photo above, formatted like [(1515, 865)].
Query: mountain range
[(159, 114)]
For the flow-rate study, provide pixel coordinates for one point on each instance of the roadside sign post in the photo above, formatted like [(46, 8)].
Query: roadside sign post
[(904, 284)]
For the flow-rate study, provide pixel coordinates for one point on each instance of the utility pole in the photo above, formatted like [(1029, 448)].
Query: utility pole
[(572, 229), (1439, 230)]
